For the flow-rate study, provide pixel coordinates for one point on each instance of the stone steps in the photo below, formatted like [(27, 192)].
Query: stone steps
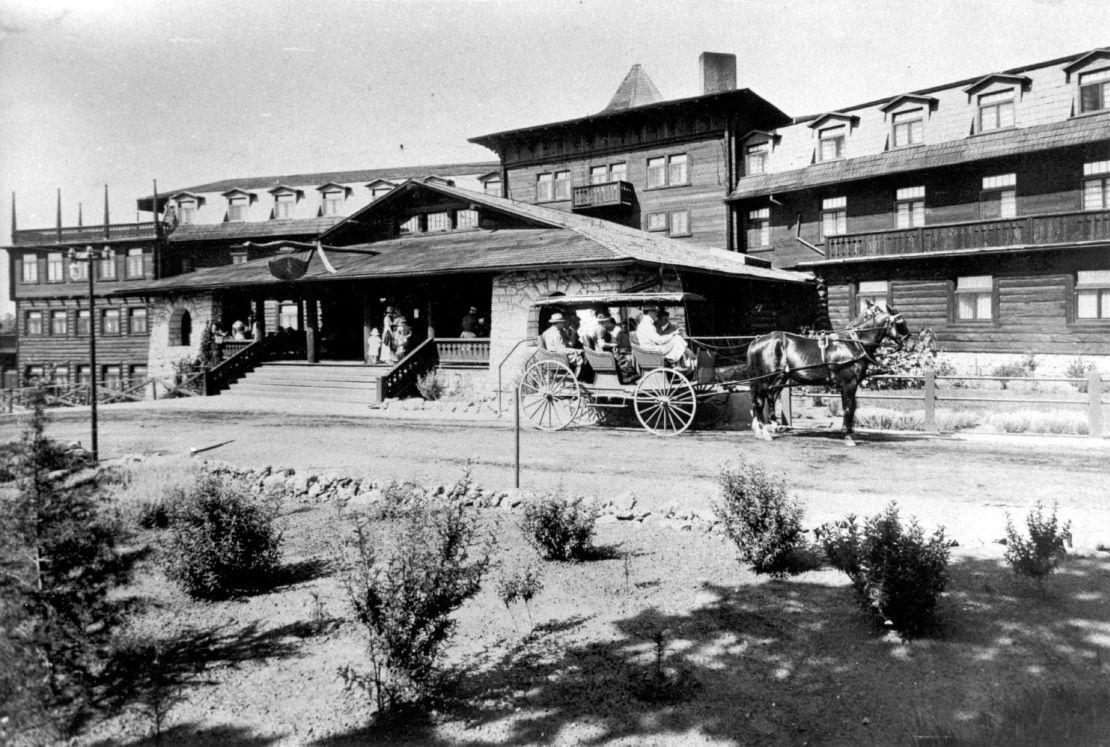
[(304, 383)]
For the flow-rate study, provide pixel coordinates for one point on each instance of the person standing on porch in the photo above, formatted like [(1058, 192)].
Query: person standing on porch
[(389, 325), (470, 323), (374, 347)]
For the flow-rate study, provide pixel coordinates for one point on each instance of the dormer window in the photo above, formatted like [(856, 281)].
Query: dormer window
[(908, 127), (1094, 91), (491, 183), (284, 205), (332, 198), (996, 110), (832, 142), (238, 202), (379, 188), (186, 211), (755, 158)]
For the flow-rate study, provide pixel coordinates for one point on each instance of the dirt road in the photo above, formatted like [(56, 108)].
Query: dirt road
[(967, 485)]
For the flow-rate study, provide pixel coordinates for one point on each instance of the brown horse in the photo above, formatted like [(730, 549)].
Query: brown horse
[(838, 359)]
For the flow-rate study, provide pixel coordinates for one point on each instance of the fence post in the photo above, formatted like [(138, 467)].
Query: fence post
[(516, 448), (1094, 406), (930, 400), (153, 390)]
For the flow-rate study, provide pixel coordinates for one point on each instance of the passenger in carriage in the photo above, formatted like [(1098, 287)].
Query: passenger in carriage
[(556, 338), (610, 338), (656, 334)]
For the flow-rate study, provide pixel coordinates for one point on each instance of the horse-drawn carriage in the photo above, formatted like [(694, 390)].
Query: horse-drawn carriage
[(555, 393)]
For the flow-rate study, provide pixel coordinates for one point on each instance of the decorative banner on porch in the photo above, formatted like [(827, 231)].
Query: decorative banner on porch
[(288, 267)]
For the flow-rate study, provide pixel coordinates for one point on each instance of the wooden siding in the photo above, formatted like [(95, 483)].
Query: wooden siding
[(126, 349), (69, 288), (703, 196), (1035, 302)]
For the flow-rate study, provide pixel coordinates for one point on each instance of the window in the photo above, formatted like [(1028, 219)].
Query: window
[(759, 227), (492, 187), (186, 211), (876, 291), (34, 322), (909, 207), (908, 127), (237, 207), (755, 158), (333, 202), (59, 322), (675, 224), (599, 174), (613, 172), (238, 258), (562, 185), (78, 271), (831, 142), (1096, 190), (109, 322), (30, 272), (668, 171), (136, 322), (680, 223), (545, 187), (83, 377), (1094, 91), (998, 199), (61, 376), (974, 298), (108, 266), (186, 264), (996, 110), (136, 374), (834, 216), (289, 316), (110, 377), (83, 322), (376, 192), (135, 262), (55, 267), (467, 219), (412, 225), (618, 172), (439, 222), (34, 374), (284, 203), (1092, 294)]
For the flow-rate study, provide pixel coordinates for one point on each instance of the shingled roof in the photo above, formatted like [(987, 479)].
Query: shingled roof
[(637, 89), (253, 229), (1077, 131)]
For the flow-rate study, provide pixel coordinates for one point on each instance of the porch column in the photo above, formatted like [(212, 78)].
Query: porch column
[(367, 324), (260, 316), (310, 328), (431, 319)]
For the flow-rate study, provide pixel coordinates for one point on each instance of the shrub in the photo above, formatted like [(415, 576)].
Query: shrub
[(430, 385), (521, 587), (1041, 423), (58, 563), (1038, 555), (221, 540), (1023, 369), (761, 519), (147, 490), (1079, 369), (911, 361), (405, 601), (558, 528), (898, 574)]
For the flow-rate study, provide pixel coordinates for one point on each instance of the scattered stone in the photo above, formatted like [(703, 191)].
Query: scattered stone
[(625, 502), (274, 483), (303, 482)]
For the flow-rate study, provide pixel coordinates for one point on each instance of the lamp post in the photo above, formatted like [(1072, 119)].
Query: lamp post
[(90, 255)]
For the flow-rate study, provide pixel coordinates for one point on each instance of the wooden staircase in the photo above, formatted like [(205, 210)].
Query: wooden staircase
[(353, 384)]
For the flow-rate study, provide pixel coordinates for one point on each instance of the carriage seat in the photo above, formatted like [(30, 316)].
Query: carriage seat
[(647, 359), (604, 366)]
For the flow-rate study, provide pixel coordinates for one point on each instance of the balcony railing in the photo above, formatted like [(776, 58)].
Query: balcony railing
[(469, 352), (1032, 230), (77, 234), (608, 194)]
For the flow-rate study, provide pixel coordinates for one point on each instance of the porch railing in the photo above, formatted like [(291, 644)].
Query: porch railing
[(463, 352), (231, 369), (228, 348), (403, 375)]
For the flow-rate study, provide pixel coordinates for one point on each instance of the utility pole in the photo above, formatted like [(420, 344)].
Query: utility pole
[(89, 256)]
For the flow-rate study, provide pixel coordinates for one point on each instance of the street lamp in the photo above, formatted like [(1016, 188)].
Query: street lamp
[(88, 256)]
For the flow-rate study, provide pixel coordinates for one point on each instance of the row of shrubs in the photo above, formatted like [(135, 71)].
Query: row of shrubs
[(898, 572), (883, 418)]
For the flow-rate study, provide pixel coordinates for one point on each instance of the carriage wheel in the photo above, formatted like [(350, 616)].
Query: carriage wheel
[(550, 395), (665, 402)]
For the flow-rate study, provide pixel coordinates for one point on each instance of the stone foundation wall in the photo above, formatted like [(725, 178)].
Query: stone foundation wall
[(202, 309), (512, 317)]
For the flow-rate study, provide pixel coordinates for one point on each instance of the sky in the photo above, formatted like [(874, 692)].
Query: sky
[(123, 92)]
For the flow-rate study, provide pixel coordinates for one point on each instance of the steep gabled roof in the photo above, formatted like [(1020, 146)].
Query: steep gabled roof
[(637, 89)]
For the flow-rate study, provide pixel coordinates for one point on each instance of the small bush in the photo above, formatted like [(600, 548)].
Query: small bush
[(1023, 369), (221, 540), (558, 528), (146, 491), (1041, 423), (762, 520), (1038, 555), (406, 601), (521, 587), (898, 574), (430, 385), (1079, 369)]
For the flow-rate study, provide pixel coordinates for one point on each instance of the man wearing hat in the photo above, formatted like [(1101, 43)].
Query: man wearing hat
[(611, 338), (556, 338), (470, 323), (655, 333)]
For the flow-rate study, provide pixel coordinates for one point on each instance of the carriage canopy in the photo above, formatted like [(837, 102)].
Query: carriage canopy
[(620, 300)]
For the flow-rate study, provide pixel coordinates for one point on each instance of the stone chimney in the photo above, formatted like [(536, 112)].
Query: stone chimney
[(718, 72)]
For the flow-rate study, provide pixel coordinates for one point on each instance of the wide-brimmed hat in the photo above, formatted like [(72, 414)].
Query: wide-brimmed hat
[(605, 318), (473, 309), (555, 318)]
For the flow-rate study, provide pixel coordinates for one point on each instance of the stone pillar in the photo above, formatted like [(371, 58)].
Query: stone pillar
[(310, 329), (260, 316)]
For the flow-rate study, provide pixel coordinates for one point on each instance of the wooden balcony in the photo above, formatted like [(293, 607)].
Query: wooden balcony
[(1032, 230), (607, 194), (80, 234)]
